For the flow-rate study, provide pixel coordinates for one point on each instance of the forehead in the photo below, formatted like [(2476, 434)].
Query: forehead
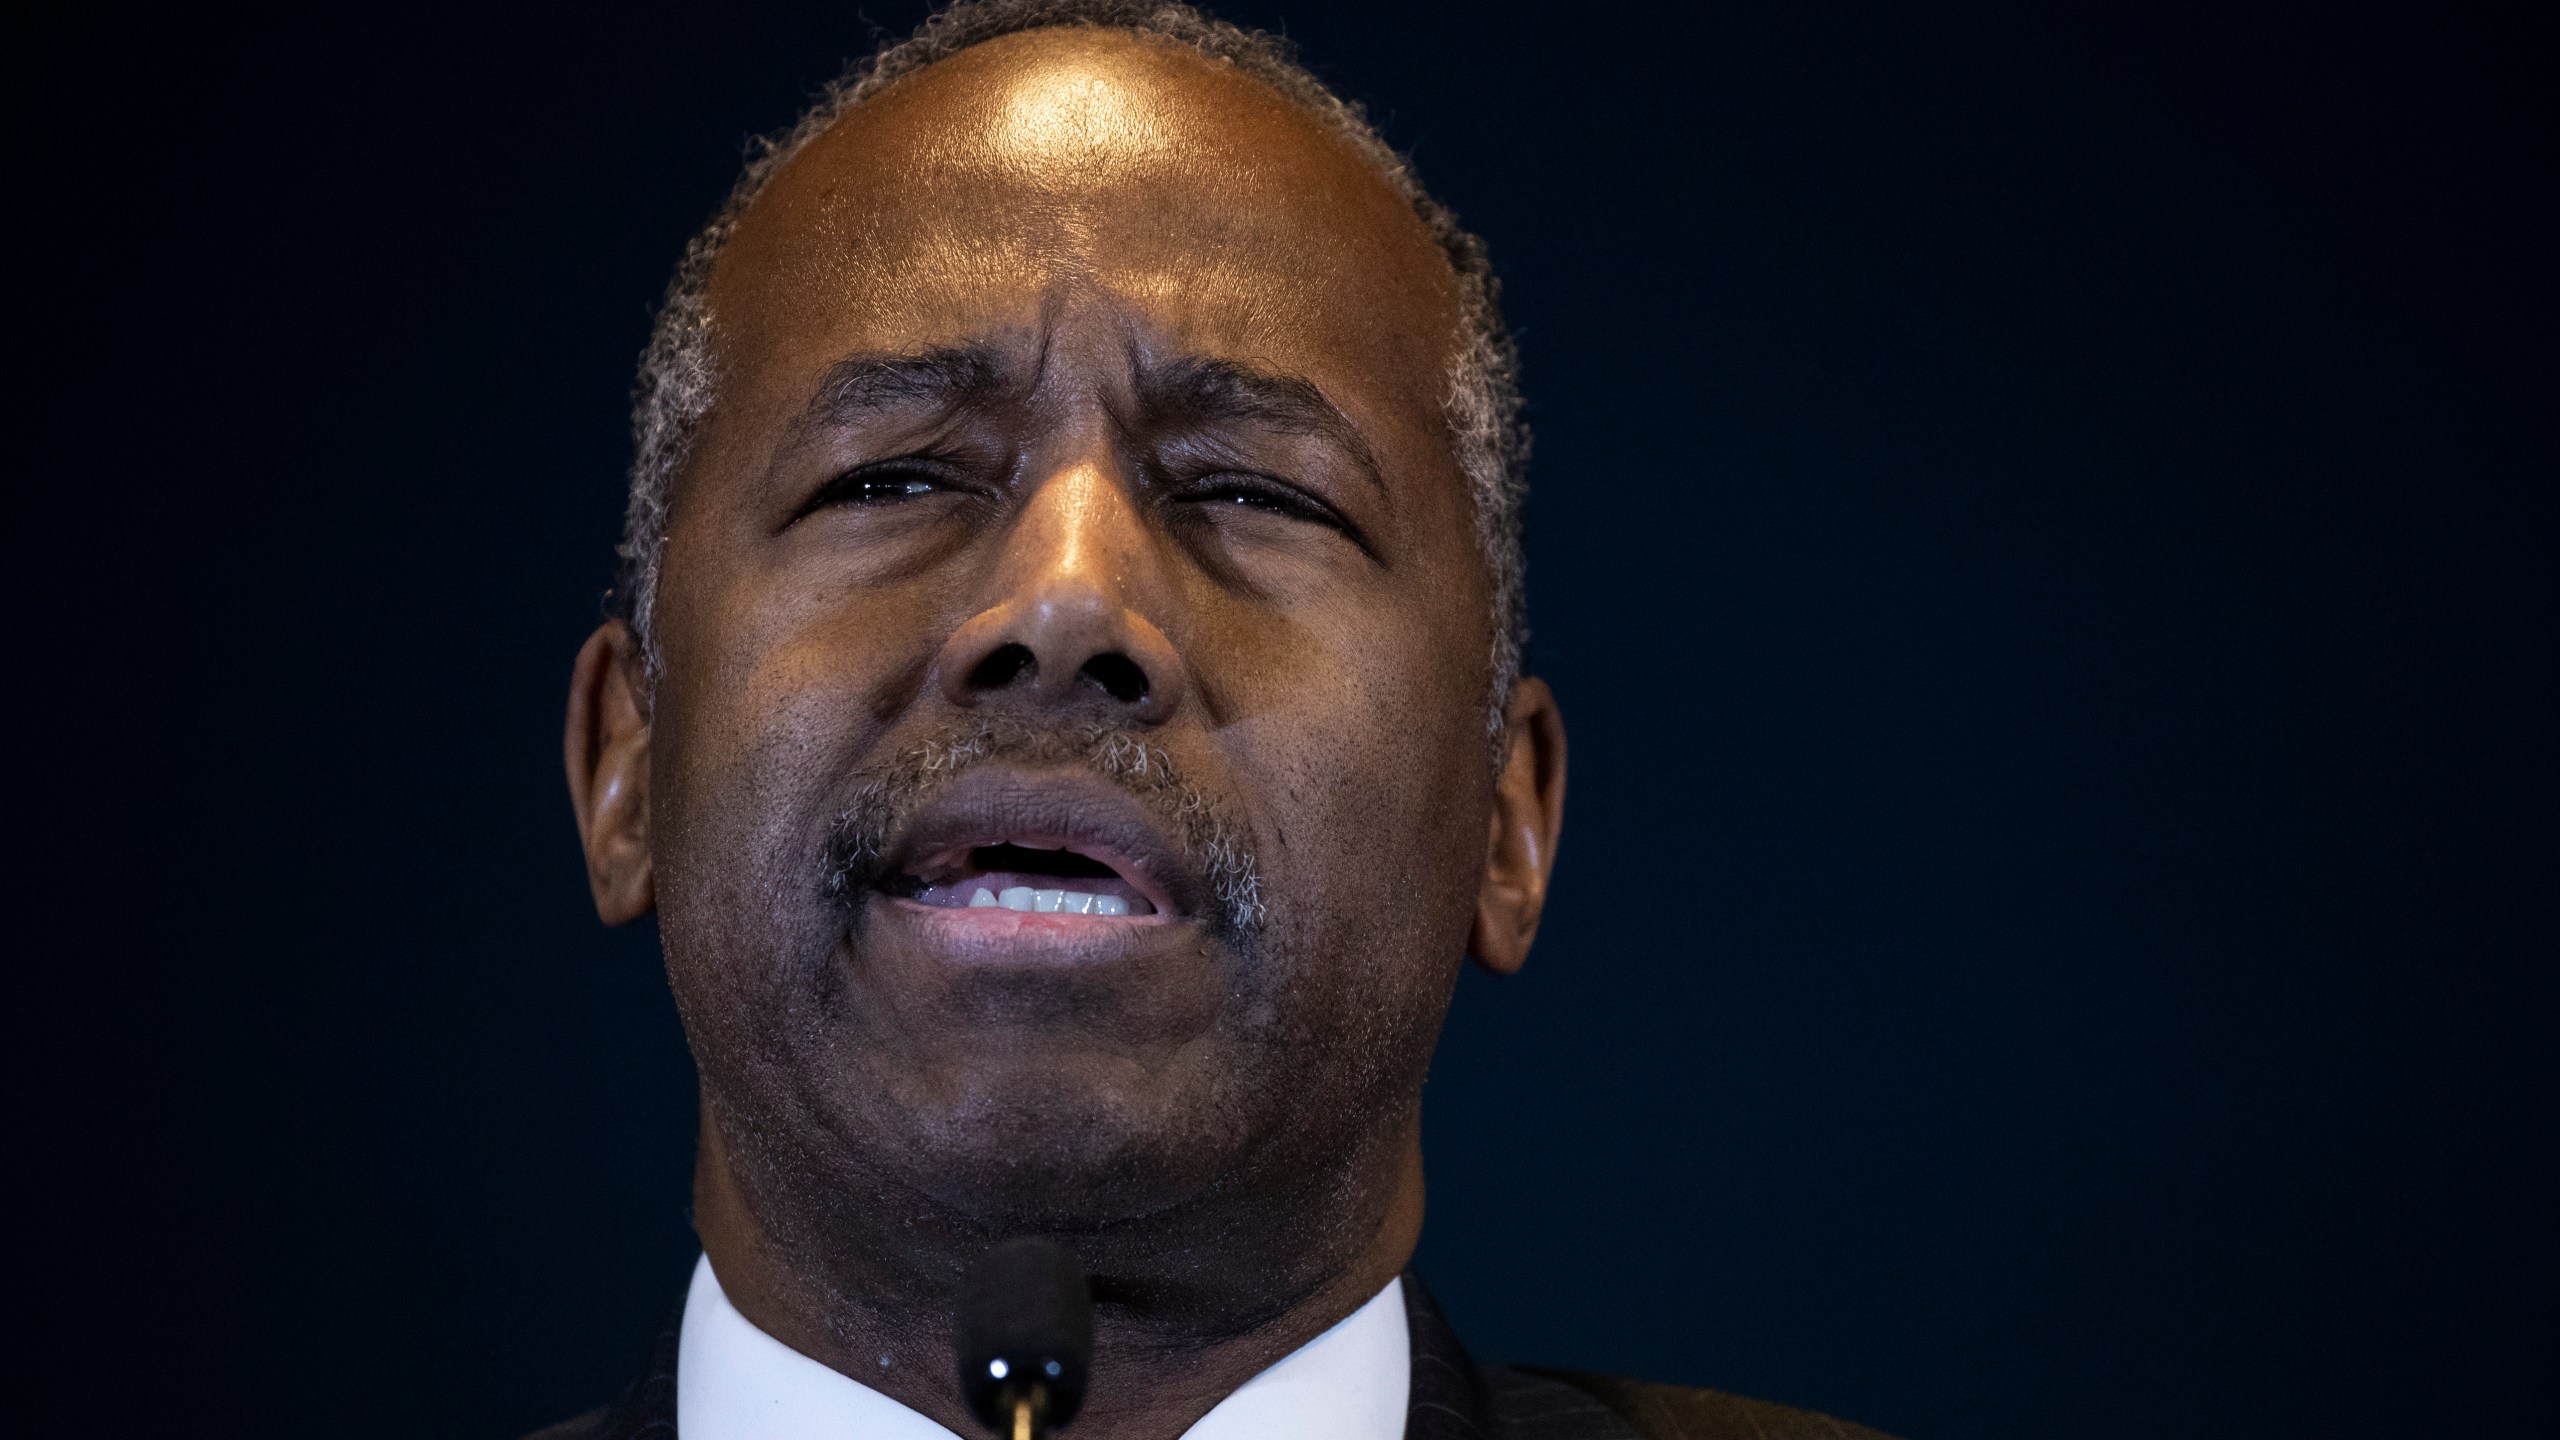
[(1065, 173)]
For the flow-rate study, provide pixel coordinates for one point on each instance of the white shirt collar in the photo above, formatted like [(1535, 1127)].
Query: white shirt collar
[(735, 1382)]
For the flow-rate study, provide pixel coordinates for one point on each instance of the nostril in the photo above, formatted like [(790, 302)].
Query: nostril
[(1119, 677), (1003, 666)]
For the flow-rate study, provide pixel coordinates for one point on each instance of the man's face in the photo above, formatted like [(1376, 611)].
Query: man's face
[(1078, 514)]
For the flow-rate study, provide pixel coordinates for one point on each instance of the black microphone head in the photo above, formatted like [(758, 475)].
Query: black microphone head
[(1025, 1324)]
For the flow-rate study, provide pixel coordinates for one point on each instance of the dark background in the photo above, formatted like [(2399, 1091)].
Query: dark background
[(2043, 531)]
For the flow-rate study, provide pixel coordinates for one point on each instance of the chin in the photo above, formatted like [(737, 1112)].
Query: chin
[(1073, 1142)]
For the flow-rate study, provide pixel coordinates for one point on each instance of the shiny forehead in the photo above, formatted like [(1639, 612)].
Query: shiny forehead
[(979, 195)]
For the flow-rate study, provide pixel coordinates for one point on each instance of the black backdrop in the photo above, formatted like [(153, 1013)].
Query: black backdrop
[(2043, 534)]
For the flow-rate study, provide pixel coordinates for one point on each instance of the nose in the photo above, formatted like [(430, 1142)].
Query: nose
[(1064, 632)]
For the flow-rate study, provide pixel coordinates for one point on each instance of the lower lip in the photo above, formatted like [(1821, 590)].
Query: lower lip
[(993, 934)]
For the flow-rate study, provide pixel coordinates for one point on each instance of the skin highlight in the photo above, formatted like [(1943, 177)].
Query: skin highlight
[(1072, 385)]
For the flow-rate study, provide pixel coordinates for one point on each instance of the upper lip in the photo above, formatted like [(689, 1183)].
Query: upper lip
[(993, 803)]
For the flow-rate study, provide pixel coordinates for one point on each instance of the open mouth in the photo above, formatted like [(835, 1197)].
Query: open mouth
[(1007, 857), (1035, 874)]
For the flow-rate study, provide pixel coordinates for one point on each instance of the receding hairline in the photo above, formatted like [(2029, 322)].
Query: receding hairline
[(986, 76)]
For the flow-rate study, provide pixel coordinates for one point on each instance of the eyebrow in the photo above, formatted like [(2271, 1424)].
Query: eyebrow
[(942, 378), (1197, 390), (1206, 391)]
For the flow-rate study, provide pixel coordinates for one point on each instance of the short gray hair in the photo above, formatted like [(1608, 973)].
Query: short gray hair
[(673, 395)]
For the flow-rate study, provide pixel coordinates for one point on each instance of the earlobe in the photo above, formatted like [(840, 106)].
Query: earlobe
[(1528, 814), (606, 746)]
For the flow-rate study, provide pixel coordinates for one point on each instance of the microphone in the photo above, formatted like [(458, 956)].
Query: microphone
[(1025, 1339)]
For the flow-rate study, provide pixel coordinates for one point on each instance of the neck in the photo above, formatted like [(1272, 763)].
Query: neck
[(1188, 1306)]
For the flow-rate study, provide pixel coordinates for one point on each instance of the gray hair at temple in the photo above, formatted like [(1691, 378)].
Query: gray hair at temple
[(676, 384)]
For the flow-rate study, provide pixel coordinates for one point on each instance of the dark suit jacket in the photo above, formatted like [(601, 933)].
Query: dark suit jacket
[(1453, 1399)]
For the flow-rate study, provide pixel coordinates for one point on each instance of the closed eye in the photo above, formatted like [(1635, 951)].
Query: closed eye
[(1255, 492), (887, 483)]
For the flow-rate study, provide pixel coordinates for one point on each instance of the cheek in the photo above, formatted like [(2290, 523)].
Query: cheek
[(1360, 720), (770, 696), (1366, 743), (765, 656)]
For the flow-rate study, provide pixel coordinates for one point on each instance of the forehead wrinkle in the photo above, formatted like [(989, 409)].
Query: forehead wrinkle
[(1296, 310), (1251, 313)]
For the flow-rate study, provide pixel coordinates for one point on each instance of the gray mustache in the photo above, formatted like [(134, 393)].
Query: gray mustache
[(888, 794)]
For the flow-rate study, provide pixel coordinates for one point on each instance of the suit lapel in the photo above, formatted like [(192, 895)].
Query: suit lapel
[(1448, 1392), (647, 1411)]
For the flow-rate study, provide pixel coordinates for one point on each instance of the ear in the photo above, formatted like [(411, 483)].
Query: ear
[(1528, 811), (607, 747)]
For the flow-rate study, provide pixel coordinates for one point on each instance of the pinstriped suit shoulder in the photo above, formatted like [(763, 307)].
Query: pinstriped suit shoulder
[(1453, 1399)]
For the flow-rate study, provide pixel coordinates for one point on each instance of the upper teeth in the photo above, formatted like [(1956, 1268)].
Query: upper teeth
[(1045, 902)]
